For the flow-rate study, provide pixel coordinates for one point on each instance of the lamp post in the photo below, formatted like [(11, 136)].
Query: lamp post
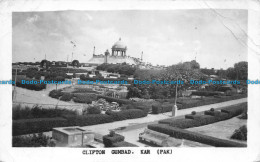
[(174, 109)]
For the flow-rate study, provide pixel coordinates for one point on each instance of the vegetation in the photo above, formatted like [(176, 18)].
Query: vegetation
[(240, 134), (35, 140), (193, 136), (118, 68), (109, 140), (93, 110), (38, 112), (37, 125)]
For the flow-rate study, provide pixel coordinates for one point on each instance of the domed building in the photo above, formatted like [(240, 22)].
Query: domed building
[(117, 56), (119, 48)]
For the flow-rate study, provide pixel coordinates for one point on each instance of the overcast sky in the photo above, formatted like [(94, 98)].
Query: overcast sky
[(166, 37)]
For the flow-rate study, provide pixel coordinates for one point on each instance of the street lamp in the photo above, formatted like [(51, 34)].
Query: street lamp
[(174, 108)]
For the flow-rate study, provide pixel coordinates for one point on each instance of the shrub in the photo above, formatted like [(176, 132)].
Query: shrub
[(28, 126), (205, 93), (212, 109), (193, 136), (184, 123), (138, 105), (209, 118), (93, 110), (111, 99), (123, 144), (212, 113), (36, 87), (66, 97), (38, 112), (157, 108), (188, 104), (127, 114), (85, 120), (193, 112), (243, 115), (240, 134), (85, 98), (55, 94), (110, 140), (235, 110), (36, 140)]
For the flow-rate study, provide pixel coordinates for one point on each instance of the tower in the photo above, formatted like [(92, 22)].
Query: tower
[(106, 54), (94, 51)]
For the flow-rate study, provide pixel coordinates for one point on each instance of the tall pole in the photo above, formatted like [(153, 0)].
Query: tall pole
[(14, 84), (174, 109)]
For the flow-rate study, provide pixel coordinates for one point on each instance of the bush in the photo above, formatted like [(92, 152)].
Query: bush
[(123, 144), (111, 99), (127, 114), (184, 123), (193, 113), (240, 134), (110, 140), (212, 113), (85, 120), (209, 117), (85, 98), (38, 112), (185, 104), (94, 110), (243, 115), (28, 126), (36, 140), (235, 110), (55, 94), (138, 105), (184, 134), (66, 97), (156, 109), (36, 87), (205, 93)]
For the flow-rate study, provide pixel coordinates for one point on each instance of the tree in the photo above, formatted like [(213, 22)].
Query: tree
[(75, 63), (241, 69)]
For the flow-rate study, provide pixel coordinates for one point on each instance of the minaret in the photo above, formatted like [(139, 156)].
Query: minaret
[(106, 55), (94, 51), (142, 56)]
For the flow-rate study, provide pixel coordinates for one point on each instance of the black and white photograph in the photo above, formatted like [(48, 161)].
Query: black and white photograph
[(132, 81)]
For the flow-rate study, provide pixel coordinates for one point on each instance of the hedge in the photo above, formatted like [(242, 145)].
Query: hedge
[(28, 126), (94, 110), (110, 140), (126, 114), (85, 120), (112, 99), (66, 97), (199, 120), (123, 144), (165, 107), (205, 93), (38, 112), (209, 101), (235, 110), (193, 136), (55, 94), (212, 113), (39, 140), (84, 98), (36, 87), (240, 134), (139, 106)]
